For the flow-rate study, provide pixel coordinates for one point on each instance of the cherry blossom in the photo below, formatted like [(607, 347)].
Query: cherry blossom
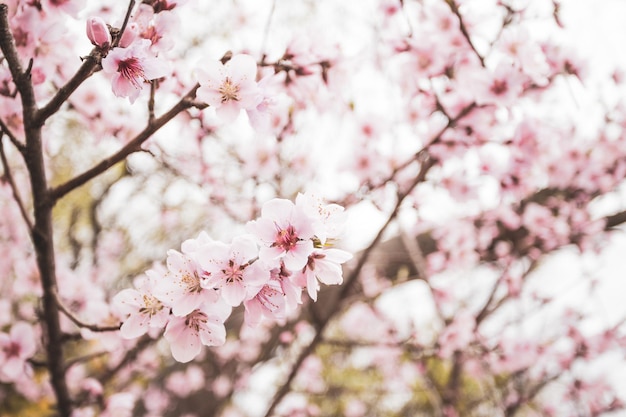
[(285, 232), (323, 266), (203, 326), (98, 33), (181, 286), (131, 67), (16, 348), (144, 310), (229, 87), (268, 302), (232, 268)]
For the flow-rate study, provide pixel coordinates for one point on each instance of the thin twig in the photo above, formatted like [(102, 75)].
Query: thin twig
[(455, 9), (129, 10), (84, 358), (80, 323), (91, 65), (266, 31), (151, 101), (349, 282), (133, 146), (16, 195), (14, 140)]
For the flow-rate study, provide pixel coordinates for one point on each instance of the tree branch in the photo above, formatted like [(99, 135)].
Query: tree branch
[(14, 140), (80, 323), (455, 9), (16, 195), (345, 289), (42, 233), (133, 146), (91, 64)]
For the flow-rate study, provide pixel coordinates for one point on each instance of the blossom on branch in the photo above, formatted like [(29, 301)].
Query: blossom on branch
[(130, 68), (229, 87), (232, 268), (16, 348), (285, 232)]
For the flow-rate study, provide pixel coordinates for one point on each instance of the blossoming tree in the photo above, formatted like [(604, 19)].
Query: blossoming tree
[(314, 208)]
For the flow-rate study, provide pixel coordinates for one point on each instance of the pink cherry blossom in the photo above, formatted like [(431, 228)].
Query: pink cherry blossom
[(232, 268), (285, 232), (131, 67), (269, 302), (202, 326), (16, 348), (144, 310), (323, 266), (229, 87), (181, 286)]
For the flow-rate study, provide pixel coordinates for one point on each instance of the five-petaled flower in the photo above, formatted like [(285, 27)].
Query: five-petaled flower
[(286, 233), (232, 268), (230, 87), (130, 68)]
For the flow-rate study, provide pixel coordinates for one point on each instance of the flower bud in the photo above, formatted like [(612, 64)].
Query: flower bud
[(98, 33)]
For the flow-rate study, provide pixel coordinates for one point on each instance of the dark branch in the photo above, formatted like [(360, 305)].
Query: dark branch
[(16, 194), (80, 323), (133, 146)]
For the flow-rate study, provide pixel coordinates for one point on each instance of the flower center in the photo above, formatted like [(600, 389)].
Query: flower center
[(132, 70), (12, 350), (286, 238), (151, 305), (229, 90), (233, 272), (196, 319), (265, 297), (192, 280), (499, 87)]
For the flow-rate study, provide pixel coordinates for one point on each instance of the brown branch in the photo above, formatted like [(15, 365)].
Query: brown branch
[(615, 220), (345, 290), (14, 140), (334, 304), (42, 233), (16, 195), (80, 323), (133, 146), (455, 9), (91, 64), (120, 33)]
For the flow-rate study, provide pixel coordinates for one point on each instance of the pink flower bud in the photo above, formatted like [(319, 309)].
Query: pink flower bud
[(98, 33)]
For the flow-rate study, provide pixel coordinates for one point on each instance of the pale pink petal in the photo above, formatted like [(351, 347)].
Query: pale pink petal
[(242, 68), (184, 343), (234, 293), (134, 326), (228, 111), (210, 95)]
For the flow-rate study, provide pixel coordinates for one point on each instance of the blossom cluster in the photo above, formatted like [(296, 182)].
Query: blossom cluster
[(288, 249)]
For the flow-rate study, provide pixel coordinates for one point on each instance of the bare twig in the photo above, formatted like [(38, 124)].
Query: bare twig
[(90, 65), (14, 140), (80, 323), (133, 146), (455, 9), (84, 358), (129, 10), (16, 194)]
